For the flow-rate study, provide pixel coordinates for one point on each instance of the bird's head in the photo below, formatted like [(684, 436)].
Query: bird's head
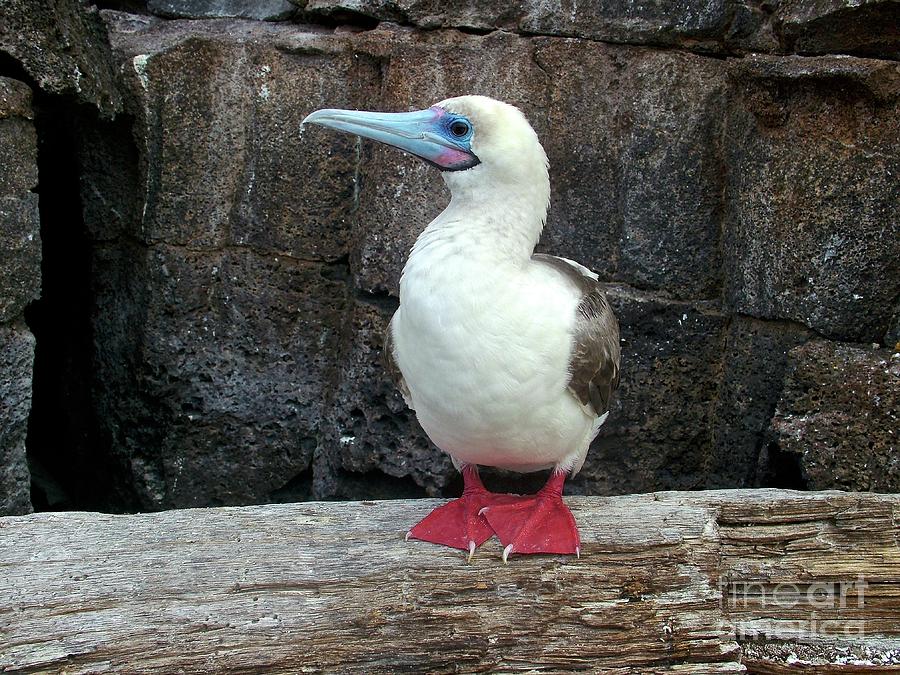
[(480, 144)]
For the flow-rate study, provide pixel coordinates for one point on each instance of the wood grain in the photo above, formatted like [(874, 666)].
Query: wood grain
[(706, 582)]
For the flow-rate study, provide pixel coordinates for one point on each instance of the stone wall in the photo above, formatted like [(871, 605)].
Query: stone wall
[(20, 278), (728, 168)]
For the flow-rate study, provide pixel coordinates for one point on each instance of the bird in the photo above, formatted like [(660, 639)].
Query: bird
[(509, 358)]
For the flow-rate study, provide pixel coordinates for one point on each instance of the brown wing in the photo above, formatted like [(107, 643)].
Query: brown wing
[(594, 365), (390, 364)]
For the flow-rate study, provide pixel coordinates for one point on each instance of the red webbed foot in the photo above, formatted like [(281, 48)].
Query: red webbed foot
[(540, 523), (459, 523)]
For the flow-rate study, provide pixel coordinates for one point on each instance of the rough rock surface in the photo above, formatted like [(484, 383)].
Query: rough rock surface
[(634, 144), (265, 10), (62, 45), (16, 362), (20, 282), (234, 169), (658, 431), (870, 28), (793, 26), (813, 192), (20, 240), (700, 25), (232, 264), (753, 367), (839, 417), (370, 441), (229, 374)]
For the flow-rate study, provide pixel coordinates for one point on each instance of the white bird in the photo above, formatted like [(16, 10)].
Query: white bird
[(508, 358)]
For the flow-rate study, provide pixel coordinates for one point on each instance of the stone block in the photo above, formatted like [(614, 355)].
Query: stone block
[(753, 367), (18, 151), (752, 28), (698, 24), (220, 106), (839, 416), (695, 24), (214, 396), (812, 193), (20, 254), (20, 283), (636, 164), (581, 138), (672, 173), (657, 436), (265, 10), (16, 365), (369, 432), (868, 28), (222, 287), (20, 236), (63, 46)]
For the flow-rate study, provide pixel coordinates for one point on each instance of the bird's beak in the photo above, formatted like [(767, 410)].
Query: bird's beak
[(422, 133)]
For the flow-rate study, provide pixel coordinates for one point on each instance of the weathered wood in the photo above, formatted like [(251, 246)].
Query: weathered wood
[(703, 582)]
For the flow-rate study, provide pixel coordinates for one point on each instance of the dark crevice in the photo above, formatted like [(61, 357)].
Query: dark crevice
[(381, 299), (781, 469), (498, 480), (60, 427), (130, 6), (350, 20), (716, 50), (345, 19), (337, 270), (297, 489), (11, 68), (707, 295), (47, 493), (374, 484), (471, 30)]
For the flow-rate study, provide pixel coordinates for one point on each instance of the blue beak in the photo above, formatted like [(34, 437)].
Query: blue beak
[(425, 133)]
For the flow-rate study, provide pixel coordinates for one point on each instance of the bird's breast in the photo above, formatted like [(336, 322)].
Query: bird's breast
[(484, 350)]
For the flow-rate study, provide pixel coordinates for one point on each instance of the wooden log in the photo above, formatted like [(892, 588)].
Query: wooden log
[(706, 582)]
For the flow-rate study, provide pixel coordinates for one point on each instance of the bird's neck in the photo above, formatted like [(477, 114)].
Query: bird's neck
[(502, 227)]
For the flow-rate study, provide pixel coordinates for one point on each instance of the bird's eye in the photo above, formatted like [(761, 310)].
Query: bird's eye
[(459, 128)]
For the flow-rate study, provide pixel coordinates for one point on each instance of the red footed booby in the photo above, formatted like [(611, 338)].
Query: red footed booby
[(508, 358)]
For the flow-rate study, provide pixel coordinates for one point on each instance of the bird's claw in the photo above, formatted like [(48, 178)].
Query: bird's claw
[(471, 551)]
